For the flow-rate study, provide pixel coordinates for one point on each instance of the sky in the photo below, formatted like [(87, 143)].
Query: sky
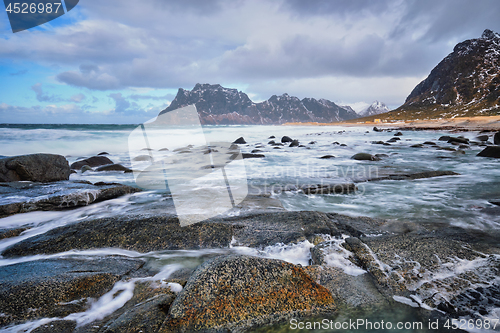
[(122, 61)]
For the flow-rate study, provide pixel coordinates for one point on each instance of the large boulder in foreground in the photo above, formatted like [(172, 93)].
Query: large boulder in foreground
[(34, 167), (241, 292)]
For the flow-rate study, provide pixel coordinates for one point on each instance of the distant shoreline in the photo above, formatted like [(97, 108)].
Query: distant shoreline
[(480, 123)]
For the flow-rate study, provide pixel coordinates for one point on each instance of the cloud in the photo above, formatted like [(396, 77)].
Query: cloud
[(41, 96), (136, 97), (171, 44), (19, 72), (78, 98)]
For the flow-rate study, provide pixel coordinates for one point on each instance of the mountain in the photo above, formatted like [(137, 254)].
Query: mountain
[(219, 105), (374, 109), (465, 83)]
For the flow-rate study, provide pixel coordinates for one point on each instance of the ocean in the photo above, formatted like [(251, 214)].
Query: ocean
[(462, 200)]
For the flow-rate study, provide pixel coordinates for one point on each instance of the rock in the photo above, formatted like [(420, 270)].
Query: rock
[(163, 149), (286, 139), (365, 157), (241, 292), (413, 176), (418, 145), (146, 316), (343, 145), (127, 232), (294, 143), (276, 148), (335, 143), (463, 147), (444, 138), (256, 151), (85, 168), (375, 129), (482, 137), (398, 134), (34, 167), (271, 142), (113, 167), (377, 142), (329, 188), (429, 143), (103, 153), (312, 142), (490, 151), (93, 162), (447, 148), (494, 202), (393, 139), (459, 140), (75, 194), (387, 144), (496, 138), (240, 140), (56, 326), (272, 137), (247, 155), (57, 287), (142, 158), (381, 155), (327, 157)]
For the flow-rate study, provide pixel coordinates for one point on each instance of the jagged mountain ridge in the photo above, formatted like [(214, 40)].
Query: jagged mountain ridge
[(374, 109), (464, 83), (219, 105)]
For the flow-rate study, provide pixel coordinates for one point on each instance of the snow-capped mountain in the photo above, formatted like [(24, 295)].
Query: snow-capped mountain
[(465, 83), (374, 109), (219, 105)]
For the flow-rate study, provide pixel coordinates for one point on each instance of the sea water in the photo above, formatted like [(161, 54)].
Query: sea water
[(455, 200)]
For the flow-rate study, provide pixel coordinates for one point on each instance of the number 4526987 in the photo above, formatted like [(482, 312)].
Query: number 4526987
[(32, 8)]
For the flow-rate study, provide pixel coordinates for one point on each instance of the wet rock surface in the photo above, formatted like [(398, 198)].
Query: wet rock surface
[(57, 287), (34, 168), (30, 197), (242, 291)]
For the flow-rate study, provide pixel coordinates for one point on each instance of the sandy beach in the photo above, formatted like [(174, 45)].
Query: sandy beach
[(486, 123)]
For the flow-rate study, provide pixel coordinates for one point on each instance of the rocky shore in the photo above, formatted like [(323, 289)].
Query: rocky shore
[(253, 270)]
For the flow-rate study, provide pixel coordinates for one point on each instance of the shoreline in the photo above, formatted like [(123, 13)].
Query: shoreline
[(480, 123)]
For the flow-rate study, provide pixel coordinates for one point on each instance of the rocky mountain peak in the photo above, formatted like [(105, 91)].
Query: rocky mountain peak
[(219, 105), (491, 35)]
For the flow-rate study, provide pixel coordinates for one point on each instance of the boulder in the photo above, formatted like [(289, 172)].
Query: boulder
[(272, 137), (458, 140), (327, 157), (34, 168), (256, 151), (272, 142), (241, 292), (286, 139), (418, 145), (85, 168), (444, 138), (365, 157), (240, 140), (247, 155), (93, 162), (483, 137), (294, 143), (496, 138), (398, 134), (375, 129), (113, 167), (142, 158), (329, 188), (490, 151), (429, 143), (103, 153)]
